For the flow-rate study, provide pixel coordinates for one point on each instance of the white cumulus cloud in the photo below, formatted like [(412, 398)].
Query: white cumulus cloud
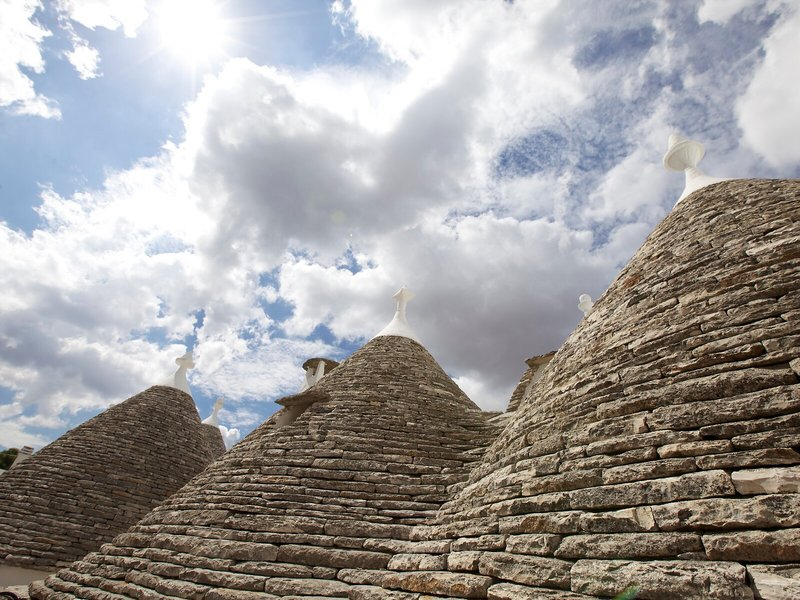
[(768, 110), (20, 48)]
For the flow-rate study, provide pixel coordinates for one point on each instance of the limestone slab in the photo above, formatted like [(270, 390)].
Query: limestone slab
[(663, 580)]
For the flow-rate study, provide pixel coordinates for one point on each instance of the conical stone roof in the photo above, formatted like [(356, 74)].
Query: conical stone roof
[(660, 448), (301, 503), (98, 479)]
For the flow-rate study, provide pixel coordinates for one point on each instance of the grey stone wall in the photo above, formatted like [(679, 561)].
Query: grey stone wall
[(98, 479), (660, 449), (303, 507)]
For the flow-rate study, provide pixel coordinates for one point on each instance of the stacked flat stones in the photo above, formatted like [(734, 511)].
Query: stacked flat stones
[(535, 363), (660, 448), (296, 510), (98, 479)]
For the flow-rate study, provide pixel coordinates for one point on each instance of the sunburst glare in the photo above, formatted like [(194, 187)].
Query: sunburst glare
[(193, 30)]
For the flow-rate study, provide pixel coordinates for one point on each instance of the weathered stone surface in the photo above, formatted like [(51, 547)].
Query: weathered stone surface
[(662, 580), (695, 448), (513, 591), (533, 504), (371, 592), (223, 594), (539, 544), (649, 470), (307, 587), (669, 489), (767, 481), (766, 512), (629, 545), (463, 561), (705, 389), (92, 484), (737, 408), (459, 585), (782, 545), (749, 458), (407, 547), (782, 438), (364, 576), (636, 455), (330, 557), (640, 440), (638, 519), (234, 550), (418, 562), (775, 582), (555, 522), (483, 542), (529, 570), (607, 428), (570, 480)]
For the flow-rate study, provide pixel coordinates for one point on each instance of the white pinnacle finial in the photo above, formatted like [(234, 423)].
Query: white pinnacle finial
[(399, 325), (178, 381), (585, 304), (684, 155), (213, 418)]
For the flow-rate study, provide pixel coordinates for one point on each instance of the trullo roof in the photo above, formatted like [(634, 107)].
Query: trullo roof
[(98, 479), (370, 452)]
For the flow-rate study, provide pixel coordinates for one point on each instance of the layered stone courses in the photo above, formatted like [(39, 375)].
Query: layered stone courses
[(100, 478), (313, 506), (659, 450)]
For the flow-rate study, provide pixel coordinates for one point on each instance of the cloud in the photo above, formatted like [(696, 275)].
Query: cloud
[(721, 11), (16, 436), (109, 14), (84, 58), (503, 160), (229, 436), (767, 111), (20, 40)]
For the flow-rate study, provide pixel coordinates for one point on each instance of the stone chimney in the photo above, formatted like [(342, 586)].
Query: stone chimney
[(24, 454)]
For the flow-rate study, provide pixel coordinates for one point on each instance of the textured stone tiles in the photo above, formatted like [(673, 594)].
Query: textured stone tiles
[(101, 477), (293, 509), (660, 448)]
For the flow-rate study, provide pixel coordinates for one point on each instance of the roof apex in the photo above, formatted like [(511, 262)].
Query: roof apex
[(399, 325)]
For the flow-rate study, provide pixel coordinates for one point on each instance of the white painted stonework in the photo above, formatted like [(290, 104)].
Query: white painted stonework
[(213, 418), (179, 381), (585, 304), (684, 155), (399, 325)]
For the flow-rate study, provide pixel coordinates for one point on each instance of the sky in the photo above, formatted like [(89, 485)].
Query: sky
[(253, 180)]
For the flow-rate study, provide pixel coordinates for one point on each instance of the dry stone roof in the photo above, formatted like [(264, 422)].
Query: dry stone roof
[(296, 503), (98, 479), (659, 449), (535, 368)]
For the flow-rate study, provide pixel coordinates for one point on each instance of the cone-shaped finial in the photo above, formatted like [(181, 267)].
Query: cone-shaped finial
[(398, 325), (684, 155), (213, 418), (179, 381), (585, 304)]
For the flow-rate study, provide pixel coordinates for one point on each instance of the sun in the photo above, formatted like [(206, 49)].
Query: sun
[(193, 30)]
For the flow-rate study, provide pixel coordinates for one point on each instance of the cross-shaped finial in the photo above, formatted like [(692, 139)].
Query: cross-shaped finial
[(398, 325), (184, 363), (403, 297)]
